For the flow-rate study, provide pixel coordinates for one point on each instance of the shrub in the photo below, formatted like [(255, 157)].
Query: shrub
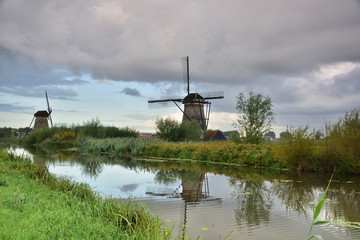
[(114, 132), (90, 128), (343, 140), (171, 130), (42, 134), (296, 150), (66, 135)]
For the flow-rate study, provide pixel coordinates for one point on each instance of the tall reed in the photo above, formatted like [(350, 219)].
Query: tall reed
[(318, 210)]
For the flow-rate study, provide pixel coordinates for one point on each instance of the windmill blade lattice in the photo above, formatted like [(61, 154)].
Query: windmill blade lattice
[(196, 105), (49, 109)]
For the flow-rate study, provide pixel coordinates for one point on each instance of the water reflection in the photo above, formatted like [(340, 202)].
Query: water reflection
[(253, 202)]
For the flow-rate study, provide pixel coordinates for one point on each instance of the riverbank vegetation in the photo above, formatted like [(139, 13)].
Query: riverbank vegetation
[(339, 148), (37, 205), (337, 145), (62, 137), (171, 130)]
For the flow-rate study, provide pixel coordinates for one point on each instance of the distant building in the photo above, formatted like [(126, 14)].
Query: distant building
[(214, 136), (146, 135)]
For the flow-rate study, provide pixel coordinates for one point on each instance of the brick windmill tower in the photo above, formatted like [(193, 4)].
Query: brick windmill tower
[(42, 117), (196, 105)]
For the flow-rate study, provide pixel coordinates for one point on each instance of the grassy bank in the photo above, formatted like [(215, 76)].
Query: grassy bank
[(36, 205)]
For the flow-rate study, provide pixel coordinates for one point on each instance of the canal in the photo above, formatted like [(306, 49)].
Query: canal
[(213, 200)]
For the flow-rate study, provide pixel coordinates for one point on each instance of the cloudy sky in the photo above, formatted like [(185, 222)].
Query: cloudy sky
[(105, 58)]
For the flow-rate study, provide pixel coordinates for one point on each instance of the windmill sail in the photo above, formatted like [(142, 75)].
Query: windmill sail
[(49, 109), (193, 102), (186, 74)]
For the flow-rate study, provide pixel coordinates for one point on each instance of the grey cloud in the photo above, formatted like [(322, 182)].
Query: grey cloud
[(131, 91), (20, 76), (345, 85), (39, 92), (232, 41), (233, 45), (12, 108)]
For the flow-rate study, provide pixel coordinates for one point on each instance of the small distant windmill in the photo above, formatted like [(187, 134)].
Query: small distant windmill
[(41, 117), (193, 102)]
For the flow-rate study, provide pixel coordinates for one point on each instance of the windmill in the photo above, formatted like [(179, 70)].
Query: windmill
[(194, 103), (41, 117)]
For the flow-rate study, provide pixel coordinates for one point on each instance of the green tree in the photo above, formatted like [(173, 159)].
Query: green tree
[(167, 129), (284, 135), (270, 134), (230, 133), (189, 131), (171, 130), (255, 116)]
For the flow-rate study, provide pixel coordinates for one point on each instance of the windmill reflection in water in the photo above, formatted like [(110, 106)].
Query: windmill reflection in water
[(194, 189)]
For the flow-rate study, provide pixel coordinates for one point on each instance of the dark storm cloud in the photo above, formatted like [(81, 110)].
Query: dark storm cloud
[(131, 91), (141, 41), (345, 85)]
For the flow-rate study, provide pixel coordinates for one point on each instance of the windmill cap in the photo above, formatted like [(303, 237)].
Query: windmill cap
[(41, 114), (193, 97)]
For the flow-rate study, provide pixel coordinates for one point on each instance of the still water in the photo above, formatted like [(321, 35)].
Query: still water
[(214, 200)]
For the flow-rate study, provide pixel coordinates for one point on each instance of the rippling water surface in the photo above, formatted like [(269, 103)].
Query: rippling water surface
[(213, 201)]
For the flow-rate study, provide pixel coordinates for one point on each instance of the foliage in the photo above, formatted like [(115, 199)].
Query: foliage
[(189, 131), (230, 133), (318, 210), (224, 152), (171, 130), (114, 132), (297, 149), (339, 148), (42, 134), (66, 135), (167, 129), (90, 128), (284, 135), (343, 140), (116, 146), (63, 136), (6, 137), (255, 116), (270, 134), (5, 132)]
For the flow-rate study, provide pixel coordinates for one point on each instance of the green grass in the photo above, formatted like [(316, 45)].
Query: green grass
[(36, 205), (31, 211)]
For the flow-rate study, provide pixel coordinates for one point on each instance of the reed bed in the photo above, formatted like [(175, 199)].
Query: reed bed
[(116, 146), (340, 147), (224, 152)]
